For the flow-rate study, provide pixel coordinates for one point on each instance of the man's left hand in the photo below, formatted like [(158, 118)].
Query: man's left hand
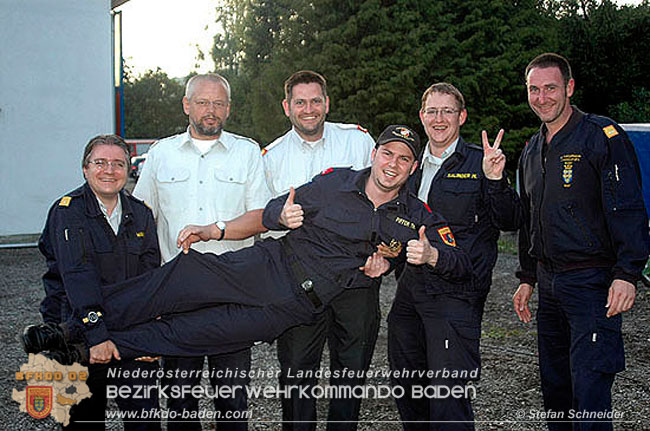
[(419, 251), (621, 297), (494, 161)]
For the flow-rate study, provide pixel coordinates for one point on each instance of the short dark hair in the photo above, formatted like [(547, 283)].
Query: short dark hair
[(445, 88), (304, 77), (106, 140), (551, 59)]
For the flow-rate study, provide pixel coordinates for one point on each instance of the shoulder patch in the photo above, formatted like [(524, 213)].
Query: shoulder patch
[(327, 171), (446, 236), (65, 201), (610, 131)]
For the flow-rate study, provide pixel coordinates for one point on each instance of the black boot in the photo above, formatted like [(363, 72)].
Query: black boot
[(69, 355), (47, 336)]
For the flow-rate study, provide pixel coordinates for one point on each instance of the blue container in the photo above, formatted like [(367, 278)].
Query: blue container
[(640, 135)]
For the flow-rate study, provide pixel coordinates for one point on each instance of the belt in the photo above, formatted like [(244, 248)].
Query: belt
[(306, 284)]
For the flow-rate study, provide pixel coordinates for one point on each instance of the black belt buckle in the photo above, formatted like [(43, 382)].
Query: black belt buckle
[(308, 287)]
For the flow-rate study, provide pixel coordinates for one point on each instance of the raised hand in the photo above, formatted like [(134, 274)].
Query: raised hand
[(494, 161), (292, 214), (419, 251)]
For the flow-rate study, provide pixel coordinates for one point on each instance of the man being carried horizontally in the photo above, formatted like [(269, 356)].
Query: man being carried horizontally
[(337, 221)]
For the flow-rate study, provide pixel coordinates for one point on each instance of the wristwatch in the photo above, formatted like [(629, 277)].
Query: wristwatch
[(92, 317), (222, 227)]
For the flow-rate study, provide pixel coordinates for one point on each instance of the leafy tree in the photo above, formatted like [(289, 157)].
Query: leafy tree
[(609, 51), (380, 55), (637, 110), (152, 106)]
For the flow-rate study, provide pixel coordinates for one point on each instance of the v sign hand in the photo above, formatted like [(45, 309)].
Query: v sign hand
[(494, 161)]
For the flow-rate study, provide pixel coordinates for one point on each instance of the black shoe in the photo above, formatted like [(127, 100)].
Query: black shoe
[(68, 356), (47, 336)]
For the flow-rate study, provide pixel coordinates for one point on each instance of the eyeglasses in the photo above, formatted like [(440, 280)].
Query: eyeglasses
[(445, 112), (103, 164), (203, 103)]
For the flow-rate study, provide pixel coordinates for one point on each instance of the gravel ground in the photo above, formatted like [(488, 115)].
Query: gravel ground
[(509, 384)]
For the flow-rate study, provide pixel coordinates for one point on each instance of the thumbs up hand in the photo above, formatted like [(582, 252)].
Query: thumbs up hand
[(419, 251), (292, 214)]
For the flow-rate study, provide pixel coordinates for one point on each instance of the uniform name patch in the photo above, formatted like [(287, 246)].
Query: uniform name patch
[(446, 236), (404, 222), (65, 201), (463, 175), (610, 131)]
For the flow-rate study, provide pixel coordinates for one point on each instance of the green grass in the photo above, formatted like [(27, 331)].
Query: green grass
[(508, 243)]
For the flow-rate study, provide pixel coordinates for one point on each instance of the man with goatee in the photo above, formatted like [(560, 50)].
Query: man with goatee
[(205, 175)]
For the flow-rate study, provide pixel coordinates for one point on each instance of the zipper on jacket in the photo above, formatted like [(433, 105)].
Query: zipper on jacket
[(545, 255)]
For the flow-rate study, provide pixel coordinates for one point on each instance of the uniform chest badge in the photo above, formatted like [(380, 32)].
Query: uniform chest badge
[(446, 236), (395, 246), (568, 161)]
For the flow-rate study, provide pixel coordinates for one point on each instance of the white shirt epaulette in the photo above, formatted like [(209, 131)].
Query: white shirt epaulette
[(344, 126)]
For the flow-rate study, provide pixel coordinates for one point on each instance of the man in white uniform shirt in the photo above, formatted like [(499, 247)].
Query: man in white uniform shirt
[(350, 323), (205, 175)]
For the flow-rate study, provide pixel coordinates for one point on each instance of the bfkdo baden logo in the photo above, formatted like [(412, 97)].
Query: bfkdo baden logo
[(39, 401), (52, 388)]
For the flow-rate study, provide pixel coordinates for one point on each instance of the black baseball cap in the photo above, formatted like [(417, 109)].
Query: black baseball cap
[(399, 133)]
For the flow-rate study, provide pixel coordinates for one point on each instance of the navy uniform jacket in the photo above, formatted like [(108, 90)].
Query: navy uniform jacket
[(582, 201), (83, 254), (476, 208), (341, 222)]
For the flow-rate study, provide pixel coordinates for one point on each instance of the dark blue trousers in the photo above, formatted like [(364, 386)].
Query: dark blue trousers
[(90, 413), (349, 324), (208, 304), (238, 402), (434, 333), (580, 349)]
